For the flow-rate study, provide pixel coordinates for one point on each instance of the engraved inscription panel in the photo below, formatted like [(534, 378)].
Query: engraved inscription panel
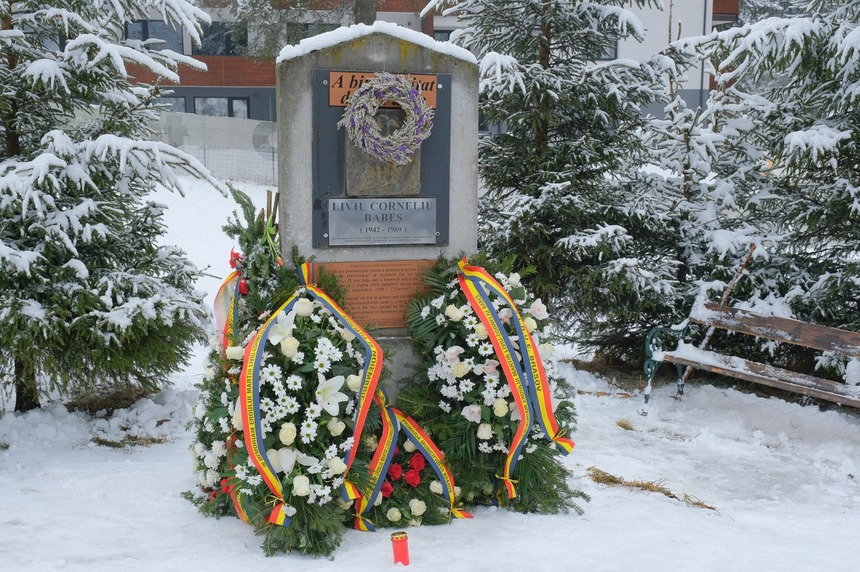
[(378, 292), (353, 222)]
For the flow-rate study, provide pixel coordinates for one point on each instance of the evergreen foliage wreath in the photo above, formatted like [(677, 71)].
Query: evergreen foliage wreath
[(359, 118)]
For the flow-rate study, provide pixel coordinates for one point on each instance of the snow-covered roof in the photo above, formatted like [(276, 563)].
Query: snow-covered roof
[(349, 33)]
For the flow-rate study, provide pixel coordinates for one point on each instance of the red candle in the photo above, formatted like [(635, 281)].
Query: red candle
[(400, 545)]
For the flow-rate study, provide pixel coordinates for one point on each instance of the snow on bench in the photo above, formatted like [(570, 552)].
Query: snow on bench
[(841, 342)]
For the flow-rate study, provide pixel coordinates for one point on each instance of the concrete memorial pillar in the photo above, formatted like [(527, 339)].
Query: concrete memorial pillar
[(374, 219)]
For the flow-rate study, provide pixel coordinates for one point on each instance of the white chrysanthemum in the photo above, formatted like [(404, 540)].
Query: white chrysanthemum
[(291, 405), (308, 430), (314, 410), (322, 364)]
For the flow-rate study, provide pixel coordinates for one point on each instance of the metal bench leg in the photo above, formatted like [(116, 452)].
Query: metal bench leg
[(650, 369), (680, 379)]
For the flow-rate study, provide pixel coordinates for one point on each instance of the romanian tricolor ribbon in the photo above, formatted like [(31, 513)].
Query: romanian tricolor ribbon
[(226, 309), (381, 460), (434, 456), (394, 421), (527, 380), (372, 368), (249, 391)]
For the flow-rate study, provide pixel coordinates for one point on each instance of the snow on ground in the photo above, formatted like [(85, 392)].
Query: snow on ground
[(784, 480)]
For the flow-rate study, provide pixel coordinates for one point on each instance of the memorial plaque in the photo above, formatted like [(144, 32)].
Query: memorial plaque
[(378, 293), (344, 172), (353, 222)]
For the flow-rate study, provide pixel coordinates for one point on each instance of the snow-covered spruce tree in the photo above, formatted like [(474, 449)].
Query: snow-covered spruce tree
[(88, 297), (696, 207), (571, 125), (811, 119)]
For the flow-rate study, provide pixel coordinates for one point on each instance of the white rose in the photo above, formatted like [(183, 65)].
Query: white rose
[(393, 514), (335, 426), (414, 522), (304, 307), (546, 350), (500, 407), (287, 434), (505, 315), (336, 465), (301, 486), (460, 369), (538, 310), (289, 346), (530, 324), (235, 353), (409, 446), (274, 460), (454, 313), (514, 279), (485, 431), (237, 418), (347, 335), (353, 382), (457, 491), (417, 507), (481, 332), (436, 487)]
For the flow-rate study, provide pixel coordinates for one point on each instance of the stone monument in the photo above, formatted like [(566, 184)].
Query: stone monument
[(375, 222)]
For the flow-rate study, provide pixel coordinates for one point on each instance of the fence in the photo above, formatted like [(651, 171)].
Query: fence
[(237, 149)]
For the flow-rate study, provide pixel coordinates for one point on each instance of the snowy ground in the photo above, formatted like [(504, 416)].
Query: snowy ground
[(784, 480)]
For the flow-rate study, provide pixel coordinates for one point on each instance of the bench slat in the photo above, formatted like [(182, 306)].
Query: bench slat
[(767, 375), (843, 342)]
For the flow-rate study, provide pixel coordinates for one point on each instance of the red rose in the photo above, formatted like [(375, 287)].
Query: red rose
[(225, 486), (413, 478), (387, 489), (395, 471), (243, 287), (417, 461)]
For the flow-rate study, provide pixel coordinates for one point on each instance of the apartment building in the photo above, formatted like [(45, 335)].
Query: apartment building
[(238, 86)]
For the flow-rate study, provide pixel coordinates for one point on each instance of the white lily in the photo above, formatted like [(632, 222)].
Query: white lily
[(288, 457), (283, 327), (329, 395)]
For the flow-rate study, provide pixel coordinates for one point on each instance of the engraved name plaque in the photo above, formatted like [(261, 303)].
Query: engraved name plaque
[(357, 222)]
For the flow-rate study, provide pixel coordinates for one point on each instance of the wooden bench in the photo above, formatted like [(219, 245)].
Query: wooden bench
[(841, 342)]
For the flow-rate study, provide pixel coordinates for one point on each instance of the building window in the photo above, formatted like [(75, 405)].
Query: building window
[(222, 106), (156, 30), (219, 40), (297, 32), (442, 35), (174, 104)]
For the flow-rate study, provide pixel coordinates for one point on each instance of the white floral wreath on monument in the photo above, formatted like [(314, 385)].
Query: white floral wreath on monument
[(363, 130)]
